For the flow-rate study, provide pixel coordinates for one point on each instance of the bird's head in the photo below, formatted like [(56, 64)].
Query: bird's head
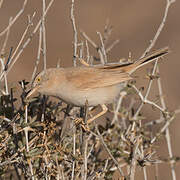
[(42, 83)]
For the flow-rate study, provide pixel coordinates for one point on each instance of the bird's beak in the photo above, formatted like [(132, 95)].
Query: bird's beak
[(32, 91)]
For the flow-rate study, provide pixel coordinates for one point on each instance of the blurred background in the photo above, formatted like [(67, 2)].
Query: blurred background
[(134, 24)]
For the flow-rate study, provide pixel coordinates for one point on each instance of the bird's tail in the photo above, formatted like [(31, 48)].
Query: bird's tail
[(149, 58)]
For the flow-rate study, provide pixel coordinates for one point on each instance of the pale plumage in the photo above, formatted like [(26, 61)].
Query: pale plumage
[(96, 85)]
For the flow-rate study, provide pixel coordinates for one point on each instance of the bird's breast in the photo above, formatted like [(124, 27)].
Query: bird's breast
[(94, 97)]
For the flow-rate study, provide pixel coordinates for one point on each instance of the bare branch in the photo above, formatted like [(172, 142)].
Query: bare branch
[(103, 51), (108, 151), (75, 43), (30, 37), (168, 139), (1, 2), (38, 55), (108, 49), (161, 26), (15, 18), (44, 34), (6, 39)]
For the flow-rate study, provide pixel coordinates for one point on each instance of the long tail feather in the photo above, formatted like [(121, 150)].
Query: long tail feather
[(149, 58)]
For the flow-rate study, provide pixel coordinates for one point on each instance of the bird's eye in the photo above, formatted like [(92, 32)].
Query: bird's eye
[(38, 79)]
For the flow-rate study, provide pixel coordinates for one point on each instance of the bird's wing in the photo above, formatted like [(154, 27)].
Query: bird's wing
[(86, 78)]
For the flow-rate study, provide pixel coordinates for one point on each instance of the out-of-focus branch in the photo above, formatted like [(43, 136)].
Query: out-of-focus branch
[(44, 34), (168, 139), (75, 43), (15, 18), (161, 26), (31, 36)]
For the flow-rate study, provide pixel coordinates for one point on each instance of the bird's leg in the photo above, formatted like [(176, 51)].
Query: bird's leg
[(85, 125), (83, 117), (104, 110), (83, 62)]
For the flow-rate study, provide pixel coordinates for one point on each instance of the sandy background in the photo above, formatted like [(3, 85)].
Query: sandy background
[(134, 24)]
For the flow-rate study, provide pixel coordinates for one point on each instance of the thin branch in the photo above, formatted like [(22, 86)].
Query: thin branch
[(31, 169), (146, 101), (107, 31), (6, 38), (74, 152), (75, 43), (161, 26), (145, 173), (1, 2), (147, 92), (38, 55), (89, 39), (31, 36), (5, 77), (87, 52), (168, 139), (95, 46), (103, 51), (108, 151), (86, 157), (30, 23), (81, 50), (115, 118), (134, 160), (29, 39), (26, 121), (15, 18), (168, 122), (2, 60), (108, 49), (44, 34)]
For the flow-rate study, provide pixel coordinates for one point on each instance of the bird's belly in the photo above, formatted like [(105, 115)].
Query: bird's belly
[(93, 97)]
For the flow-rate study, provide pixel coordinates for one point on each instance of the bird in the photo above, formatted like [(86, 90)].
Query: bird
[(91, 85)]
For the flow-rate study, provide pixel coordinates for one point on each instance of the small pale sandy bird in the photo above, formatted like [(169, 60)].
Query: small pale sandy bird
[(96, 85)]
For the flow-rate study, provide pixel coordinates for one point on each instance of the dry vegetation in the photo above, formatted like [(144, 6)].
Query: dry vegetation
[(42, 139)]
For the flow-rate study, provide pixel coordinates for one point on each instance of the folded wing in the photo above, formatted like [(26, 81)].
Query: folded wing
[(86, 78)]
